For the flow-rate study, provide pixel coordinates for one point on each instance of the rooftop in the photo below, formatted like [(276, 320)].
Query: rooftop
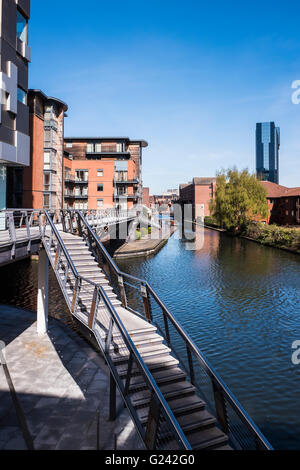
[(276, 190), (143, 143)]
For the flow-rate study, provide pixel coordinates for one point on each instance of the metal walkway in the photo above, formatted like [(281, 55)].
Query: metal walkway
[(175, 398)]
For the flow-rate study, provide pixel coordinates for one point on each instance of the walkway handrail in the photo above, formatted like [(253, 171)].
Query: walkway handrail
[(157, 399), (222, 395)]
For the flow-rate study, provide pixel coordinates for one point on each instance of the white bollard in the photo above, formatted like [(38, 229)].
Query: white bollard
[(42, 304)]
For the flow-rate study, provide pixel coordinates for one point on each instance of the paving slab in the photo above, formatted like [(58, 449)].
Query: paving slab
[(62, 385)]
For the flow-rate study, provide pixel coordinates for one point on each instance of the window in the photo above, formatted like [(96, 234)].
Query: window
[(99, 187), (22, 96), (82, 175), (22, 27), (46, 201), (98, 148), (47, 181), (47, 165), (90, 148), (99, 173), (69, 145), (99, 203)]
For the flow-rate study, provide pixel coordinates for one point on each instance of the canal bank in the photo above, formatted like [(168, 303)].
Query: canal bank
[(263, 241), (145, 246)]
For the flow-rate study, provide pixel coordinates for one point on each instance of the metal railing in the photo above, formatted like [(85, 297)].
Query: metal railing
[(17, 226), (138, 297), (124, 361)]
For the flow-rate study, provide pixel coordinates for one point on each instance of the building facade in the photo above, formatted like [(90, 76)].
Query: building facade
[(199, 194), (103, 172), (283, 204), (14, 112), (267, 151), (43, 180)]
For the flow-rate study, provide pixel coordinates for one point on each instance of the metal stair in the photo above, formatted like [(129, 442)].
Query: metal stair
[(160, 393)]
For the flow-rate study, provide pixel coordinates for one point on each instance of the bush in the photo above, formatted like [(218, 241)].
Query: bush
[(149, 230), (138, 235), (210, 221), (275, 235), (144, 231)]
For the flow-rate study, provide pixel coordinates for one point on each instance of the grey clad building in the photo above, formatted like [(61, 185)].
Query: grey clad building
[(267, 151), (14, 112)]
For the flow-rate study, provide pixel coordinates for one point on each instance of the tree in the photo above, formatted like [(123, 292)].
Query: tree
[(239, 198)]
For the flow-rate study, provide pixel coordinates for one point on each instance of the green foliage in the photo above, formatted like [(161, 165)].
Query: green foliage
[(211, 221), (238, 199), (144, 231), (149, 230), (138, 235), (275, 235)]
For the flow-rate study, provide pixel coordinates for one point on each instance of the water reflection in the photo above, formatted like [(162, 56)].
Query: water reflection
[(240, 303)]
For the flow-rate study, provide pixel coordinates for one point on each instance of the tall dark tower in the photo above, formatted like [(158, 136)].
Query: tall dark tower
[(267, 151)]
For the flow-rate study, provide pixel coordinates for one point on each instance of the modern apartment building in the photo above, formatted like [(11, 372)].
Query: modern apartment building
[(103, 172), (199, 193), (14, 112), (267, 151), (43, 181)]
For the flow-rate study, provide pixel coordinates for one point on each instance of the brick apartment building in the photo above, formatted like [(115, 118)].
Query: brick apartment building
[(43, 181), (283, 204), (14, 113), (103, 172), (199, 194), (146, 197)]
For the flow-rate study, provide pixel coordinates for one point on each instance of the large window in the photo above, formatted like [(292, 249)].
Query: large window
[(22, 96), (82, 175), (22, 27), (99, 203), (47, 162)]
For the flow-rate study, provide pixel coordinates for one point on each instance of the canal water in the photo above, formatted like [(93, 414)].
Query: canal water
[(238, 300)]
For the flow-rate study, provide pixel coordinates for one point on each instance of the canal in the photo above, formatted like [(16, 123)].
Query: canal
[(238, 300)]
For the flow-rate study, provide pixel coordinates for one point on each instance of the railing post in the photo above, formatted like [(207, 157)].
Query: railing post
[(167, 331), (42, 304), (122, 291), (63, 221), (28, 232), (93, 308), (112, 398), (152, 424), (191, 365), (129, 371), (146, 300), (75, 295), (12, 233), (221, 409)]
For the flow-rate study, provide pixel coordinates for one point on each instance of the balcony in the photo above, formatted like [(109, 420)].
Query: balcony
[(125, 196), (79, 181), (107, 150), (69, 178), (69, 195), (126, 181), (51, 124), (81, 196)]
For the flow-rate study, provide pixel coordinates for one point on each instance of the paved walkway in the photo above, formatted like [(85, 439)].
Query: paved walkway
[(61, 383)]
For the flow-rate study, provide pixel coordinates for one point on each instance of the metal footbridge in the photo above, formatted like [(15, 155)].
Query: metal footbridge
[(174, 396)]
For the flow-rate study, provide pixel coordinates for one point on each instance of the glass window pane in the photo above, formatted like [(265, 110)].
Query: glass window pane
[(21, 27)]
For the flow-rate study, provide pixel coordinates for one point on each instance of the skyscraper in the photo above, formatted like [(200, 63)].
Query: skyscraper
[(267, 151)]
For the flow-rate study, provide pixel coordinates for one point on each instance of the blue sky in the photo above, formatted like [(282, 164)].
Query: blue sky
[(192, 78)]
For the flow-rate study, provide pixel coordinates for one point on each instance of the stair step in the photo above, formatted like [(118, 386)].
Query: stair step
[(144, 340), (192, 422), (207, 438), (169, 391), (156, 364), (161, 377), (179, 407), (140, 332), (148, 354)]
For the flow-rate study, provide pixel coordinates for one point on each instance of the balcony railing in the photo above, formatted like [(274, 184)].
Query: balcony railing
[(80, 181), (126, 181), (51, 124)]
